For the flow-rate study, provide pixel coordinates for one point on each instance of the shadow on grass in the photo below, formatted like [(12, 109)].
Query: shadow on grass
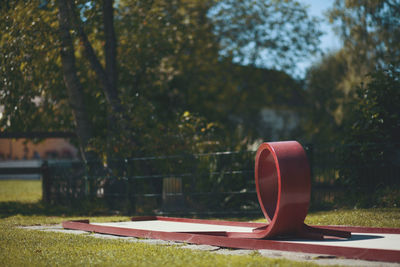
[(87, 208), (11, 208)]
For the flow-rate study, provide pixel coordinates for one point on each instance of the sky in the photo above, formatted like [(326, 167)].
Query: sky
[(329, 41)]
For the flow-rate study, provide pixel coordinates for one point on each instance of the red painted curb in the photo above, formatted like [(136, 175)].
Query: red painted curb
[(245, 243)]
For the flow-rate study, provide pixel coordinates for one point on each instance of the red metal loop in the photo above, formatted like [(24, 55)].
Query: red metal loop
[(282, 177), (283, 183)]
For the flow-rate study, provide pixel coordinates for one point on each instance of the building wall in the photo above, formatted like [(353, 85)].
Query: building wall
[(278, 124), (51, 148)]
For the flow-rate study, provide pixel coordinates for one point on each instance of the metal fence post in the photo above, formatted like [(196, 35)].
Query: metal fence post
[(46, 180)]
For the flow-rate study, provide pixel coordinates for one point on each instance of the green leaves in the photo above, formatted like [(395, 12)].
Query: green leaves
[(169, 62), (370, 31), (374, 126), (29, 45), (376, 115), (272, 34)]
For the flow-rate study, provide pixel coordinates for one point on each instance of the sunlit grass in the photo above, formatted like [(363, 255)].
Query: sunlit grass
[(20, 190), (20, 247), (378, 217)]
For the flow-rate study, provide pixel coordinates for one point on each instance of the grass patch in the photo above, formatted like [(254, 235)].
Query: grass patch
[(20, 247), (30, 247), (20, 206), (20, 190), (375, 217)]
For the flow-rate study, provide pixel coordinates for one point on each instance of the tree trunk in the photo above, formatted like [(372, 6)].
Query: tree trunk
[(110, 44), (108, 77), (71, 79)]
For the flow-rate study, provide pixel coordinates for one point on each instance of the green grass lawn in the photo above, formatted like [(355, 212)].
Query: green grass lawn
[(20, 190), (20, 247), (19, 206), (388, 217)]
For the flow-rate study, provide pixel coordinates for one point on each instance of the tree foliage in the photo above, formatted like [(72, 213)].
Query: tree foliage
[(273, 34), (373, 138), (234, 95), (376, 116), (31, 88), (370, 30), (325, 99), (166, 62), (370, 33)]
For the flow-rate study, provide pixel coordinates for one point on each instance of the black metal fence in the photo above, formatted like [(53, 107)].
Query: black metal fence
[(355, 174), (213, 184)]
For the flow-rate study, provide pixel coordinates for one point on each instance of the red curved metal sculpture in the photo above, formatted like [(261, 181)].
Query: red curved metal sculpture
[(283, 183), (282, 177)]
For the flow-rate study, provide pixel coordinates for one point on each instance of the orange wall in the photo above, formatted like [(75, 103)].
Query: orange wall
[(49, 148)]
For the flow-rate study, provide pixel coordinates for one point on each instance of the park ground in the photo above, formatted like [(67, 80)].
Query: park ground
[(20, 206)]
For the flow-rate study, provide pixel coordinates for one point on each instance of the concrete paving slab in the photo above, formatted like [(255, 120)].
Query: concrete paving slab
[(360, 240), (296, 256), (201, 247), (156, 242), (169, 226), (105, 236), (235, 251), (53, 228)]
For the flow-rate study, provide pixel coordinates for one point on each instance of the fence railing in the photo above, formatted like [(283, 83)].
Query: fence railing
[(346, 172), (22, 170), (212, 184), (203, 183)]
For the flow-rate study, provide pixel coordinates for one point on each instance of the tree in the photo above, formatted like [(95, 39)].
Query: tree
[(31, 90), (370, 31), (234, 96), (42, 36), (373, 137), (376, 117), (156, 39), (270, 34), (325, 99), (370, 34), (72, 82), (130, 71)]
